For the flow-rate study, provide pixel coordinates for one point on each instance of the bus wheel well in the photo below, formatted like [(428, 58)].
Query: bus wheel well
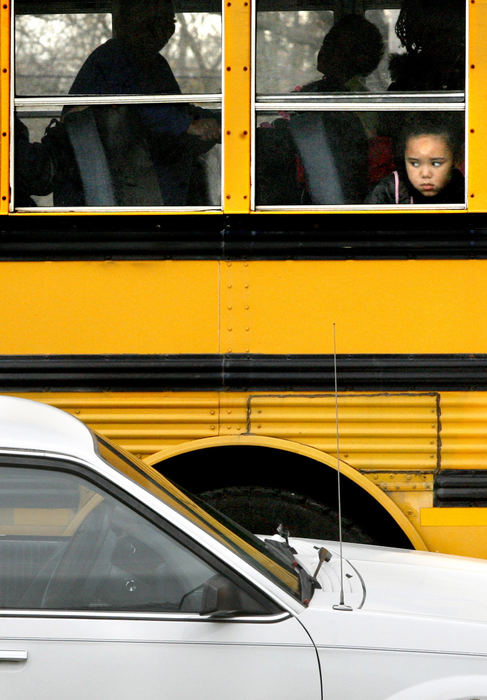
[(262, 510), (255, 484)]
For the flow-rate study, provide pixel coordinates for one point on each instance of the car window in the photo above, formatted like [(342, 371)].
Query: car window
[(232, 535), (67, 544)]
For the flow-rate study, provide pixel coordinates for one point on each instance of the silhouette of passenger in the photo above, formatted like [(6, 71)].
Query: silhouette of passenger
[(433, 34), (351, 50), (332, 148), (38, 164), (152, 149)]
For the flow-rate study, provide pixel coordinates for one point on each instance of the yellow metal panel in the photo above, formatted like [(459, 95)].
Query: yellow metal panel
[(148, 423), (392, 438), (109, 307), (453, 517), (4, 104), (237, 81), (271, 307), (410, 482), (477, 128), (464, 430), (142, 423), (376, 431), (460, 531), (235, 311), (414, 306)]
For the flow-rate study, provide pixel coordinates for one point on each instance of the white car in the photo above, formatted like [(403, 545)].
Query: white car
[(114, 584)]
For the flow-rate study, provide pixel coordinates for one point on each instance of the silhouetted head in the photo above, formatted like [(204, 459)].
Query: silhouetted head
[(353, 46), (433, 28), (146, 24)]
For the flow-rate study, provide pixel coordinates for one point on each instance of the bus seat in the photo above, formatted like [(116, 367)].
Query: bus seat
[(90, 158), (134, 176), (113, 160), (310, 139)]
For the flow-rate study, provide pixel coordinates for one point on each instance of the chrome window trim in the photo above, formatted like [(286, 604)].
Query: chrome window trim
[(362, 207), (401, 650), (253, 96), (210, 209), (11, 107), (145, 616), (362, 106), (375, 98), (87, 100)]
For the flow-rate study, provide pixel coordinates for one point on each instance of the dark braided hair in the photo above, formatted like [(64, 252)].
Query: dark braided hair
[(425, 25)]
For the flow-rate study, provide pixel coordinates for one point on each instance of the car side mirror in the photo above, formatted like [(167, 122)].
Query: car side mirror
[(221, 598)]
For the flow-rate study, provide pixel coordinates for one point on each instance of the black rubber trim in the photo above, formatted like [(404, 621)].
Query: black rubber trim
[(31, 7), (243, 237), (242, 372), (460, 488)]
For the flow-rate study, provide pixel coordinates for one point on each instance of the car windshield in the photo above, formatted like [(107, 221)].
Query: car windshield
[(232, 535)]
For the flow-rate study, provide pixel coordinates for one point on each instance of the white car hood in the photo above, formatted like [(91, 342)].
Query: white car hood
[(399, 598)]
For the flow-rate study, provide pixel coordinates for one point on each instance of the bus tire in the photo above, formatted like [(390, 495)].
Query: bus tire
[(261, 510)]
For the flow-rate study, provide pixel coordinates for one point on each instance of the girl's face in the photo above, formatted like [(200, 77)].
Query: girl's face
[(429, 163)]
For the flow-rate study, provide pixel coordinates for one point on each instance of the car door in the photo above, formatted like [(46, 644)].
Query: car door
[(100, 598)]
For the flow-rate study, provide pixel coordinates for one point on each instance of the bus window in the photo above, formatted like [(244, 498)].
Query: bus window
[(123, 135), (341, 158), (329, 140)]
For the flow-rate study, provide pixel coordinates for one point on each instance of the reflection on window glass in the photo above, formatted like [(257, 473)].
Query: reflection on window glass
[(195, 52), (66, 544), (385, 21), (287, 46), (346, 157), (51, 49), (422, 48), (344, 53), (114, 155)]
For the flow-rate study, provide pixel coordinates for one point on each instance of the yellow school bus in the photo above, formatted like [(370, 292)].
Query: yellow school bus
[(180, 234)]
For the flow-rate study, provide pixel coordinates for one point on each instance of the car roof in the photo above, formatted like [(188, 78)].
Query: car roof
[(33, 426)]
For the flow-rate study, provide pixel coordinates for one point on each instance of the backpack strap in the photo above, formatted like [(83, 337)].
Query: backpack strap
[(396, 186), (396, 189)]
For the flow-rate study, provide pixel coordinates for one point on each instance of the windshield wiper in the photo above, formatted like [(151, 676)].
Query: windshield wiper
[(284, 552)]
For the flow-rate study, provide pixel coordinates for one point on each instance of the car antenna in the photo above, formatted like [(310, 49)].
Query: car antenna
[(341, 605)]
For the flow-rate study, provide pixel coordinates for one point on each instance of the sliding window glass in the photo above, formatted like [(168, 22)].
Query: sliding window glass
[(117, 104)]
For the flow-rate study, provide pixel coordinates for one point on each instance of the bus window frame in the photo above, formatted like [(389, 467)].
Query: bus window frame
[(355, 102), (82, 100)]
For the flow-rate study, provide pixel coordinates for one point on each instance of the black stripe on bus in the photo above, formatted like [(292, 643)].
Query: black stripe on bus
[(242, 372), (243, 237), (461, 488)]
